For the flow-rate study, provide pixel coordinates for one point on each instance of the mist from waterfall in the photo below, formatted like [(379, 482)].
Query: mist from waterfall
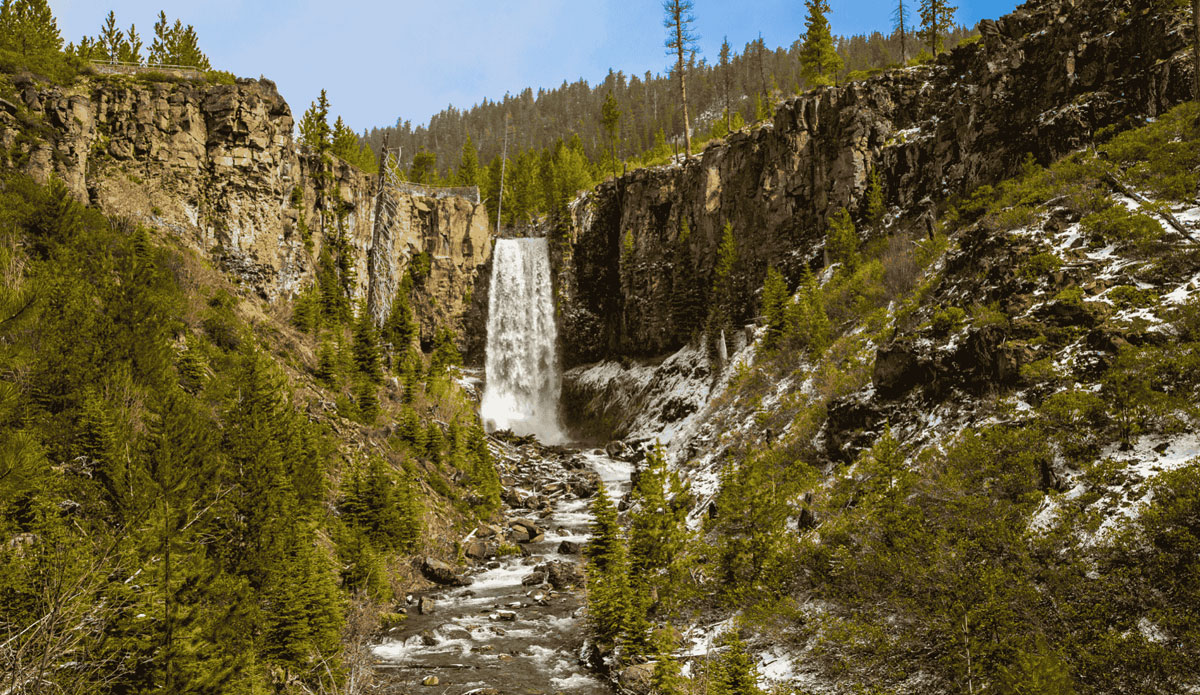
[(523, 375)]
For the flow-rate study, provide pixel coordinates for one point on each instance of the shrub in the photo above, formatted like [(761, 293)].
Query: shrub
[(1039, 265), (946, 320), (1118, 225)]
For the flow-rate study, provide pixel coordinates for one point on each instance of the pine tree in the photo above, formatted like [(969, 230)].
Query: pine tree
[(468, 165), (366, 399), (775, 301), (841, 241), (314, 125), (937, 18), (187, 48), (681, 41), (900, 22), (29, 28), (366, 346), (131, 47), (610, 118), (608, 591), (726, 79), (111, 37), (735, 672), (658, 532), (400, 330), (819, 60), (445, 352), (161, 46), (720, 314), (424, 168), (875, 205)]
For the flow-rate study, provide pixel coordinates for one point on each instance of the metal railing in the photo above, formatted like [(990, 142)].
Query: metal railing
[(147, 66)]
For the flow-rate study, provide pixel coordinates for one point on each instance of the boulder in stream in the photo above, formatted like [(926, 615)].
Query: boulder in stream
[(441, 573), (568, 548)]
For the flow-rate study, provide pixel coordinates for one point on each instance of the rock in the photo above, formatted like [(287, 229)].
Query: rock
[(506, 615), (568, 548), (441, 573), (426, 606), (636, 678), (430, 680), (428, 638), (898, 370), (561, 574), (526, 531), (450, 631), (534, 578), (478, 550)]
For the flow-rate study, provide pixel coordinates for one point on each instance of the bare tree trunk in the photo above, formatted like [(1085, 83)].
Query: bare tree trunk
[(679, 67), (1196, 49)]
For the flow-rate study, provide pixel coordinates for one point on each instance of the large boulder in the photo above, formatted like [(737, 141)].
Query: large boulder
[(441, 573), (637, 678), (561, 575)]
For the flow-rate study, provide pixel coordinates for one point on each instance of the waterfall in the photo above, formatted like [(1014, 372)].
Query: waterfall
[(523, 379)]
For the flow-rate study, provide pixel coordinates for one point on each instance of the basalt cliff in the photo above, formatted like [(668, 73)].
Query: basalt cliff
[(218, 166)]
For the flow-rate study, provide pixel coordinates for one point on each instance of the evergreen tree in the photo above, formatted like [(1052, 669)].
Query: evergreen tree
[(366, 346), (841, 241), (819, 60), (131, 47), (28, 27), (775, 300), (610, 117), (468, 165), (160, 47), (366, 399), (937, 18), (658, 532), (445, 352), (608, 591), (681, 41), (735, 672), (327, 364), (400, 329), (111, 37), (900, 22), (726, 79), (314, 125), (721, 312), (424, 168), (875, 205)]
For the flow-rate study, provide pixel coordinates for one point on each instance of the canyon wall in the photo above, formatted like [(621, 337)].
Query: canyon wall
[(217, 166), (1042, 81)]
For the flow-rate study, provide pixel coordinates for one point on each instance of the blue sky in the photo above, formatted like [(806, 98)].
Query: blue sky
[(381, 61)]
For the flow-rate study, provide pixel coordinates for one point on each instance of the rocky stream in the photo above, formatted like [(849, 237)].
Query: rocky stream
[(513, 622)]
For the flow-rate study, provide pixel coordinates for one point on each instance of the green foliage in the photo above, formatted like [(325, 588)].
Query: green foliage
[(659, 535), (841, 241), (775, 306), (608, 590), (28, 28), (734, 672), (875, 205), (184, 514), (1036, 267), (947, 320), (1162, 157), (722, 293), (346, 145), (445, 352), (382, 506), (937, 18), (819, 60), (1116, 224), (366, 347), (610, 118), (314, 126), (468, 165), (176, 44)]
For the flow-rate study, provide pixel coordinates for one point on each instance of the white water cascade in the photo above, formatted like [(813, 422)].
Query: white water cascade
[(523, 376)]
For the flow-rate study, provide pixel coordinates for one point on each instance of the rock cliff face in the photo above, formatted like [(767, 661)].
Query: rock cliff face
[(217, 165), (1041, 81)]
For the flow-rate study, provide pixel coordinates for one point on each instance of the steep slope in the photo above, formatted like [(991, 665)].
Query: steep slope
[(216, 164), (1042, 81), (969, 461)]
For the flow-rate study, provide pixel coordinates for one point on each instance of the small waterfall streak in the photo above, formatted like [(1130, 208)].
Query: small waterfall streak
[(523, 375)]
